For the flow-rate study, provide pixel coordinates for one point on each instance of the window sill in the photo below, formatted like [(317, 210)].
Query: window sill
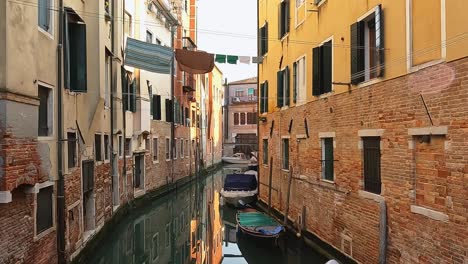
[(324, 95), (434, 215), (321, 3), (371, 196), (284, 37), (155, 161), (139, 192), (285, 170), (419, 67), (44, 233), (327, 182), (370, 82), (46, 33), (45, 138), (167, 160)]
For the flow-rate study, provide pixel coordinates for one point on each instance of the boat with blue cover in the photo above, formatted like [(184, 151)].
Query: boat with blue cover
[(240, 189), (258, 224)]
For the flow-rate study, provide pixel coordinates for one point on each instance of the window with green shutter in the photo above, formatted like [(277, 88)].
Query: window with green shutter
[(264, 97), (327, 159), (75, 55), (263, 40), (322, 69), (283, 92), (283, 19), (285, 154)]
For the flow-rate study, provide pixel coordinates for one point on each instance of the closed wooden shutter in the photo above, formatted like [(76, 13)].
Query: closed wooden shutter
[(168, 110), (279, 89), (286, 84), (44, 212), (88, 175), (132, 96), (328, 159), (295, 82), (157, 106), (357, 52), (326, 85), (78, 61), (379, 40), (66, 53), (265, 39), (124, 88), (316, 71), (372, 181), (265, 110)]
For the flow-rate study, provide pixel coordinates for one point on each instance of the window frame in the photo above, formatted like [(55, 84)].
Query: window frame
[(319, 86), (50, 31), (264, 97), (283, 102), (50, 110), (285, 158), (155, 151), (323, 160), (365, 166), (263, 40), (167, 146), (36, 189), (98, 157)]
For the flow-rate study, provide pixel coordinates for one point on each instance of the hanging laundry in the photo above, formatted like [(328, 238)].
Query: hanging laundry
[(220, 58), (232, 59), (257, 59), (244, 59), (195, 62)]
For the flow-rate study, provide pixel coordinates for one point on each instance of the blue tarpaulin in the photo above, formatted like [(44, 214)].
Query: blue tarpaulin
[(147, 56), (240, 182)]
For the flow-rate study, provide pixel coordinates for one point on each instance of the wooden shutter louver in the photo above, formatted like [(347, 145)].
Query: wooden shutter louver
[(326, 84), (295, 84), (132, 96), (316, 71), (379, 41), (357, 53), (286, 84), (279, 89), (372, 180), (77, 57)]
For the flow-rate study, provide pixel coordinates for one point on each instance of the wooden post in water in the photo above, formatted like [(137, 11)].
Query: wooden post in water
[(269, 185), (286, 210)]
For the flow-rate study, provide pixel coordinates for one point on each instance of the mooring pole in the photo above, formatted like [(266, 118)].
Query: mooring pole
[(269, 185), (286, 210)]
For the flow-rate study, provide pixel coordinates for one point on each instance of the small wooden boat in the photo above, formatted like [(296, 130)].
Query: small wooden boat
[(238, 158), (257, 224)]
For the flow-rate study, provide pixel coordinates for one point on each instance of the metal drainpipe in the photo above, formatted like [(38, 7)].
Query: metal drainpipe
[(113, 82), (173, 104), (258, 102), (60, 184), (124, 122)]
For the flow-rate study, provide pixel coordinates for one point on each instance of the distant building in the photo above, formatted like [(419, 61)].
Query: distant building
[(240, 119)]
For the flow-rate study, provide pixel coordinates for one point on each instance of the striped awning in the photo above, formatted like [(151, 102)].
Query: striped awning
[(147, 56)]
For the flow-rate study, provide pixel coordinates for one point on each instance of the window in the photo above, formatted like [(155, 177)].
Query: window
[(176, 150), (155, 251), (98, 147), (186, 148), (169, 110), (372, 181), (265, 151), (252, 118), (285, 154), (128, 24), (129, 95), (283, 88), (149, 36), (120, 146), (236, 118), (367, 63), (168, 149), (158, 41), (264, 97), (242, 119), (139, 171), (87, 171), (299, 81), (107, 80), (156, 107), (106, 147), (71, 145), (75, 55), (45, 111), (155, 149), (284, 18), (327, 159), (181, 148), (45, 15), (128, 147), (263, 40), (299, 2), (239, 93), (148, 144), (44, 210), (167, 234), (322, 69)]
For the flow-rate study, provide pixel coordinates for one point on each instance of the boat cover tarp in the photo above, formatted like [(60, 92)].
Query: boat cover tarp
[(256, 219), (240, 182)]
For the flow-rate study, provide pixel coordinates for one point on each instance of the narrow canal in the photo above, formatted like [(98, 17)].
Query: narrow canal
[(190, 226)]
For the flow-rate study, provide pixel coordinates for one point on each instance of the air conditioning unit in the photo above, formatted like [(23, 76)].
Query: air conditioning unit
[(236, 100)]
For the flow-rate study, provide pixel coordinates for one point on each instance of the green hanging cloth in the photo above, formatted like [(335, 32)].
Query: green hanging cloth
[(232, 59), (220, 58)]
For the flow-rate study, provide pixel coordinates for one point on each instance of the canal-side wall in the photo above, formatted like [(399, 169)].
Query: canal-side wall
[(423, 167), (81, 253)]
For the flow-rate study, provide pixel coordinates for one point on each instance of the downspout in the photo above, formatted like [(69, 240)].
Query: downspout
[(173, 103), (124, 121), (112, 84), (60, 183), (258, 100), (383, 232)]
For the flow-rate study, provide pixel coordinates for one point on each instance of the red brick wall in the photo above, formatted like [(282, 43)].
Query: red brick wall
[(336, 212)]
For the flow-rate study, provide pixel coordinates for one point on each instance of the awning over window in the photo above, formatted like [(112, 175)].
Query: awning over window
[(147, 56)]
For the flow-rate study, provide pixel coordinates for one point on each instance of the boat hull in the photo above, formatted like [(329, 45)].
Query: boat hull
[(235, 161), (235, 201)]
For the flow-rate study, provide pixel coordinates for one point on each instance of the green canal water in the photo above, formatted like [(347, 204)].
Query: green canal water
[(190, 226)]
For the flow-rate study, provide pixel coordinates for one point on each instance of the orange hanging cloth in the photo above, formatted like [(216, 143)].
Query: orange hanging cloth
[(194, 62)]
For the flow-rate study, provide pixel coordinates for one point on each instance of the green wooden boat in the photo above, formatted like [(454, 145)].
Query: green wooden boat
[(257, 224)]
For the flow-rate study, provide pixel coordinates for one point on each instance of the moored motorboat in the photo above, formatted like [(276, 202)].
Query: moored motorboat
[(257, 224), (240, 189), (238, 158)]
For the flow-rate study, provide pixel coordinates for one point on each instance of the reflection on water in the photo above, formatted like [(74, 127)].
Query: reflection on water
[(189, 226)]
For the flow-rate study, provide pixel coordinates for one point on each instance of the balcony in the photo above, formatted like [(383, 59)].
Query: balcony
[(244, 99), (188, 44)]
